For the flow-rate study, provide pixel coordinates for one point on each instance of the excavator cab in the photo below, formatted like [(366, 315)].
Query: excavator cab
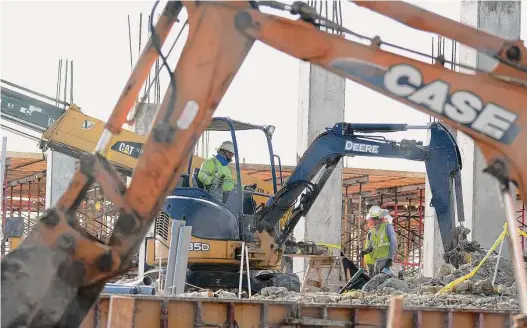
[(229, 219)]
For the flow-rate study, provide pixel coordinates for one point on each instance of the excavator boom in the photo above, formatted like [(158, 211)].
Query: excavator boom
[(58, 272), (441, 157)]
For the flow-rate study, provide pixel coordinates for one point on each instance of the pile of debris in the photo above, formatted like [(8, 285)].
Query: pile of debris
[(476, 292)]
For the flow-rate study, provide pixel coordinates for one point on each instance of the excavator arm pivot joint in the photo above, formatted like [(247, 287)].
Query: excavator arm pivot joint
[(500, 170)]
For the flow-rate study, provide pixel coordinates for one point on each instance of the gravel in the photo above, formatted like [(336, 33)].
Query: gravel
[(475, 293)]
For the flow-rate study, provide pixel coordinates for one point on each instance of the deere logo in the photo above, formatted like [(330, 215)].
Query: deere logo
[(361, 148)]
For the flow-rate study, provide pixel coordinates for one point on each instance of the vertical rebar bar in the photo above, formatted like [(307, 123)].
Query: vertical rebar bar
[(71, 82), (59, 83), (29, 204), (66, 82), (420, 240), (57, 96), (408, 223), (130, 44), (20, 202), (38, 197), (359, 221)]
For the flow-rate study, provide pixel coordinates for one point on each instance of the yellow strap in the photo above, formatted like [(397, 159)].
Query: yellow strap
[(498, 241)]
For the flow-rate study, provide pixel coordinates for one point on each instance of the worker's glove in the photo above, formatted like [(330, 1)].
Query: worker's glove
[(388, 263), (221, 179), (361, 254), (251, 187)]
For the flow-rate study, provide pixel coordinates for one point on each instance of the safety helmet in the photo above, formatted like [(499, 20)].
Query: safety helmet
[(227, 146), (375, 212)]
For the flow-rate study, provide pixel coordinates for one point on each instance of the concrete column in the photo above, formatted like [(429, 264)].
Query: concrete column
[(60, 171), (484, 215), (321, 105), (432, 242), (142, 126)]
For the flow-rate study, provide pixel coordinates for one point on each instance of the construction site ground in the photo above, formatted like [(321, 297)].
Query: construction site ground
[(472, 303)]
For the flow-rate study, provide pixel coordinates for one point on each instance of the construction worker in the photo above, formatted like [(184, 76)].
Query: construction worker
[(368, 258), (383, 242), (215, 173)]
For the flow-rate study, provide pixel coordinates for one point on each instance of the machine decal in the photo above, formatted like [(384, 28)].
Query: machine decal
[(87, 124), (17, 106), (461, 106), (133, 149), (199, 247), (363, 148)]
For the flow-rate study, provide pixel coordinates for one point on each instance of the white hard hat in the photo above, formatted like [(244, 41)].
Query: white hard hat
[(375, 212), (227, 146)]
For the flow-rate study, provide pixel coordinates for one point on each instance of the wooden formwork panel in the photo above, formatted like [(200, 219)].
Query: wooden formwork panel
[(161, 312)]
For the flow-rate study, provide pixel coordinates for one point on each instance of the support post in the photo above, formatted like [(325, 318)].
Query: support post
[(180, 272), (142, 125), (484, 214), (432, 243), (321, 105), (60, 171), (172, 252)]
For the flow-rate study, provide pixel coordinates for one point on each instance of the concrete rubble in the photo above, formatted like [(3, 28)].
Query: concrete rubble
[(476, 292)]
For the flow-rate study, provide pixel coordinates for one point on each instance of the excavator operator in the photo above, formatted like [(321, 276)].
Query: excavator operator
[(215, 173), (383, 243)]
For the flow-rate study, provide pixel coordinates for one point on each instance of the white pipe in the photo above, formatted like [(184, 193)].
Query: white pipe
[(497, 264), (515, 246), (248, 271), (241, 271)]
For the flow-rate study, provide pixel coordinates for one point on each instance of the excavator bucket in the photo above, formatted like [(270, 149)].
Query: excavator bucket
[(443, 168)]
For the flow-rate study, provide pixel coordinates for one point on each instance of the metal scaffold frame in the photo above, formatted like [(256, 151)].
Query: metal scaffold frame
[(405, 205), (407, 210)]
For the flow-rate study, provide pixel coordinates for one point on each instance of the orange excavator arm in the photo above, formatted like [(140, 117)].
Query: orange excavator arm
[(57, 273)]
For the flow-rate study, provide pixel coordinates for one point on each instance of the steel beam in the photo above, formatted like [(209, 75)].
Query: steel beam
[(356, 181)]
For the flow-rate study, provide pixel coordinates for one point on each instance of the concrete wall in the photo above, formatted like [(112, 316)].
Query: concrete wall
[(142, 126), (321, 105), (484, 214), (501, 18), (60, 171)]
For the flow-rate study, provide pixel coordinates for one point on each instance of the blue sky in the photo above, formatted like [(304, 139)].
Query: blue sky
[(94, 34)]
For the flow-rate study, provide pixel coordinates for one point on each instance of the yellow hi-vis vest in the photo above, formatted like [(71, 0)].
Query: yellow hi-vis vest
[(368, 258), (211, 170), (381, 243)]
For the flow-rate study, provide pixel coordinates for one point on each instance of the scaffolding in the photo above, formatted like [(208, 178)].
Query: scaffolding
[(24, 199), (406, 206), (401, 193)]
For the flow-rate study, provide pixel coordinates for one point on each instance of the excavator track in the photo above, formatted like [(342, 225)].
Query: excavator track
[(148, 311)]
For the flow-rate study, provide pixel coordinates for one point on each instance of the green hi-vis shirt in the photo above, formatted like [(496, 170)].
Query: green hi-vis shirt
[(210, 172)]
